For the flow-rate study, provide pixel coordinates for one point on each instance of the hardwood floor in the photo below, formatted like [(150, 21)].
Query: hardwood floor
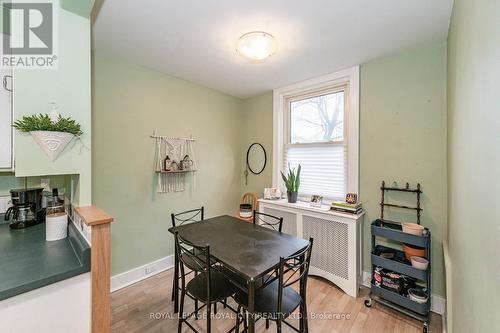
[(146, 307)]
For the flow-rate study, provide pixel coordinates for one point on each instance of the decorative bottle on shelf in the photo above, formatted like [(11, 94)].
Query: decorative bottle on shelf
[(167, 164), (186, 163)]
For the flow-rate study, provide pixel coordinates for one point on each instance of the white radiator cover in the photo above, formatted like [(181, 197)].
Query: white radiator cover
[(337, 251)]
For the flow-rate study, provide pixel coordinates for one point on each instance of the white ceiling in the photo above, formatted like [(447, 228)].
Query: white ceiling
[(195, 40)]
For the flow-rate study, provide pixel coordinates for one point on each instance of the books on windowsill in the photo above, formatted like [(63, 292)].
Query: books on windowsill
[(344, 207)]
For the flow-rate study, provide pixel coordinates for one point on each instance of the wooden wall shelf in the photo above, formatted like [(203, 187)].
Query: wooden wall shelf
[(407, 188), (400, 206), (400, 189), (176, 171)]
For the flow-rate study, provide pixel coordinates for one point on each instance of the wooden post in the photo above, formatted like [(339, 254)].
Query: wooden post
[(100, 277)]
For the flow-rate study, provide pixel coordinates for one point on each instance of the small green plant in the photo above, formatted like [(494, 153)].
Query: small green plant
[(42, 122), (292, 180)]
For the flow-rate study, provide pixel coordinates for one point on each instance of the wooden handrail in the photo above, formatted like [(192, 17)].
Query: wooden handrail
[(100, 266), (93, 215)]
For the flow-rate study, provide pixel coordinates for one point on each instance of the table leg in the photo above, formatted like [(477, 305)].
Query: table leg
[(176, 282), (251, 306)]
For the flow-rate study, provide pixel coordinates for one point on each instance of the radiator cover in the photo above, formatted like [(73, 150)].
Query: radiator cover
[(337, 250)]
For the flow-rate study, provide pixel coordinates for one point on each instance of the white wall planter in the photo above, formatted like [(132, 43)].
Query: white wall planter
[(51, 142)]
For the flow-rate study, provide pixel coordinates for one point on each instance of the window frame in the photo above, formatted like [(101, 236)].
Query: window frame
[(346, 80)]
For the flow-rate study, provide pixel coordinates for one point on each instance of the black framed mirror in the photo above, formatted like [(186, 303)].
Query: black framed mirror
[(256, 158)]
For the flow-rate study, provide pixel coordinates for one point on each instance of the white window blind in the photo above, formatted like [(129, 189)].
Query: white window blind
[(316, 141), (324, 169)]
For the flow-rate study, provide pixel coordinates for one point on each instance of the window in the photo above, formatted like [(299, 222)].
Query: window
[(317, 119), (316, 141), (317, 127)]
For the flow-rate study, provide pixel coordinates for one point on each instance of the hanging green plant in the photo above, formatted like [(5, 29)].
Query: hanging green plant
[(51, 132), (43, 122)]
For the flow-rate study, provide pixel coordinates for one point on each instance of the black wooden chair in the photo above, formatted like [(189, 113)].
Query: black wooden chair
[(193, 215), (208, 286), (277, 300), (266, 220)]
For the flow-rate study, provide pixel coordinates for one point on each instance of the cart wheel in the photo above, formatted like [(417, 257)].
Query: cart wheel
[(368, 303), (425, 328)]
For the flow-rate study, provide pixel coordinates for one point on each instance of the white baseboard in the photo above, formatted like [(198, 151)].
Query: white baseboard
[(137, 274), (438, 303)]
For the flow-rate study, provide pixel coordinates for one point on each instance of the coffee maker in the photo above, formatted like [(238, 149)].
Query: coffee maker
[(26, 209)]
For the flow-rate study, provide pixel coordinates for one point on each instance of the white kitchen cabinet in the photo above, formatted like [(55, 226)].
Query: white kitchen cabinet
[(60, 307), (6, 131), (337, 250)]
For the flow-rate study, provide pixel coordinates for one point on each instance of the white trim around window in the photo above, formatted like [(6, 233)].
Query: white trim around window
[(349, 77)]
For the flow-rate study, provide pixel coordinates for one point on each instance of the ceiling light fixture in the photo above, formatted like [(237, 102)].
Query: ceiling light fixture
[(256, 46)]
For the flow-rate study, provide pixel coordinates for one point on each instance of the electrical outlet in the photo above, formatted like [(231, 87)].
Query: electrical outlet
[(4, 204), (150, 269), (45, 183)]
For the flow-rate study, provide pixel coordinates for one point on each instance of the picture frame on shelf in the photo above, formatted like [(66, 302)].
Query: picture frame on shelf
[(316, 200), (351, 198)]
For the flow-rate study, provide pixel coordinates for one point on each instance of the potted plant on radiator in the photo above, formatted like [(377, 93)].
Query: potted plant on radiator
[(292, 183), (52, 132)]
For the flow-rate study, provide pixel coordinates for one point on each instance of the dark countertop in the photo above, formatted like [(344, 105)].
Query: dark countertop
[(29, 262)]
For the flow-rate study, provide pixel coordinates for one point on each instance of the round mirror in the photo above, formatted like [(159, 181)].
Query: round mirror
[(256, 158)]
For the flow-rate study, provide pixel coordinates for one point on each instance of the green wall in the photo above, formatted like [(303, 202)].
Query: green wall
[(8, 182), (129, 103), (403, 139), (80, 7), (69, 87), (474, 164), (257, 126)]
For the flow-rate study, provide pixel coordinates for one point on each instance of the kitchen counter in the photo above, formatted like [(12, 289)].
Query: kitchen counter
[(28, 262)]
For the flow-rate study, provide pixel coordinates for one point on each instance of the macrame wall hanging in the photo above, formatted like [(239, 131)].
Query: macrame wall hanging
[(174, 159)]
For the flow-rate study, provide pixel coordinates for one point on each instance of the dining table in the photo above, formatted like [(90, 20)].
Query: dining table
[(250, 251)]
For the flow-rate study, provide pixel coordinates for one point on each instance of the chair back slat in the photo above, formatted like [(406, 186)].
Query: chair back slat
[(269, 221), (191, 255), (195, 257), (194, 215), (294, 269)]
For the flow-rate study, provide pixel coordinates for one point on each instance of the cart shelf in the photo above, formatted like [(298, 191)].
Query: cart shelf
[(394, 232), (422, 309), (398, 265)]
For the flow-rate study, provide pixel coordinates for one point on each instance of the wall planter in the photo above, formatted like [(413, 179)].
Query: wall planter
[(52, 142), (51, 132)]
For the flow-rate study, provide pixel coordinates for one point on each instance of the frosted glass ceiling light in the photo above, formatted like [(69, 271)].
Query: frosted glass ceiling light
[(256, 46)]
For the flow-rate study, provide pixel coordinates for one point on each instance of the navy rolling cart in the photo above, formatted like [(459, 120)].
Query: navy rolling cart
[(392, 273)]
